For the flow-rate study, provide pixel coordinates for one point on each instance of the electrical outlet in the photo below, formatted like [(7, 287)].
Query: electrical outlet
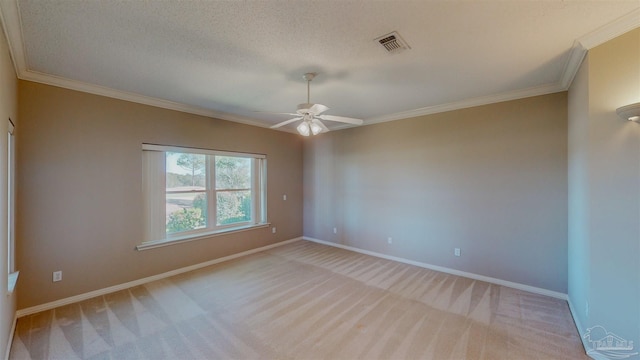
[(456, 251), (273, 230), (335, 230), (57, 276), (389, 240), (284, 197)]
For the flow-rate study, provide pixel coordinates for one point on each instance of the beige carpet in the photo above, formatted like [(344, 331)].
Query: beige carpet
[(305, 301)]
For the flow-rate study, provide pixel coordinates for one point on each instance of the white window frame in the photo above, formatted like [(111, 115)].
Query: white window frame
[(154, 185), (11, 237)]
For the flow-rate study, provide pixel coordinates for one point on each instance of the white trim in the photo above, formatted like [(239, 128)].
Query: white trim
[(514, 285), (197, 236), (155, 190), (10, 16), (76, 298), (10, 340), (133, 97), (597, 37), (467, 103), (192, 150), (611, 30), (11, 22), (578, 52), (576, 321), (12, 25)]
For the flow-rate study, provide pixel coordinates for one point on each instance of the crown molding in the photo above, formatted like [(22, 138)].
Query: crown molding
[(132, 97), (597, 37), (12, 26), (611, 30), (10, 17), (467, 103), (577, 54)]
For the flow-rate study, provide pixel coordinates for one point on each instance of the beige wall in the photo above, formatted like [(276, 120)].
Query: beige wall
[(80, 189), (8, 109), (605, 206), (490, 180)]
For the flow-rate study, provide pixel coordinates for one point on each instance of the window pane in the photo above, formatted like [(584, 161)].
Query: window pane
[(233, 173), (186, 211), (233, 207), (185, 171)]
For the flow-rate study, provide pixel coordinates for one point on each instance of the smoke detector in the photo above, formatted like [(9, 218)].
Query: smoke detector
[(393, 42)]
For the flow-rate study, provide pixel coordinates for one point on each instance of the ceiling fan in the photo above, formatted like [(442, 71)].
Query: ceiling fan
[(310, 114)]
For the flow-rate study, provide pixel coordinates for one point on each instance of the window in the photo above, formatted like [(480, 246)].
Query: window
[(191, 193)]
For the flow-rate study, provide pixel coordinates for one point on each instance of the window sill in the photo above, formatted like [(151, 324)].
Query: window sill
[(13, 279), (177, 240)]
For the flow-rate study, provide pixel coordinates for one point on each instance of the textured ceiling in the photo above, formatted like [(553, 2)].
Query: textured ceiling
[(233, 58)]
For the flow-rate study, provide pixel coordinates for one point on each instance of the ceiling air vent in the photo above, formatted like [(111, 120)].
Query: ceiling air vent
[(393, 42)]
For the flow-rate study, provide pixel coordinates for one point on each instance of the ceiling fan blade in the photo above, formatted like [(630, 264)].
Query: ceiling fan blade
[(324, 128), (318, 109), (285, 122), (341, 119), (275, 113)]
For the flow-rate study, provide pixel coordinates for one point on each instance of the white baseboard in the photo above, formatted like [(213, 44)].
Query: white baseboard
[(532, 289), (576, 321), (100, 292), (110, 289), (10, 341)]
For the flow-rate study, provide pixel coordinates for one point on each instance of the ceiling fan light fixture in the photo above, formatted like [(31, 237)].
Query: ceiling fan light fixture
[(315, 128), (310, 114), (304, 129)]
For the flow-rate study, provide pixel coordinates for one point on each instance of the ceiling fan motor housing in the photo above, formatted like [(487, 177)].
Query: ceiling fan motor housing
[(304, 109)]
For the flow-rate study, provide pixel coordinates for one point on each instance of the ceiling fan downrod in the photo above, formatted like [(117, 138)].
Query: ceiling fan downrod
[(308, 77)]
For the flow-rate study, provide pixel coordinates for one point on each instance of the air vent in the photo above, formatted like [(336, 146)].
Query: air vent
[(393, 42)]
